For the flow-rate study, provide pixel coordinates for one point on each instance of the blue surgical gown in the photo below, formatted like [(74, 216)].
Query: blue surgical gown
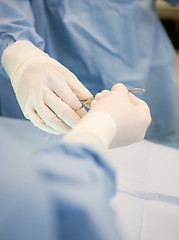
[(103, 43), (52, 191)]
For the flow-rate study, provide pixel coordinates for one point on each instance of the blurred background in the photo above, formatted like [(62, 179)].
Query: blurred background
[(170, 19)]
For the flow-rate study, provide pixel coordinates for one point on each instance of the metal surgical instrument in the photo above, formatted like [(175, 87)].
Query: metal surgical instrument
[(89, 100)]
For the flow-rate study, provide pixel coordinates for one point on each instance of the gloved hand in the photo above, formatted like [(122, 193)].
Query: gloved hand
[(130, 114), (117, 118), (47, 92)]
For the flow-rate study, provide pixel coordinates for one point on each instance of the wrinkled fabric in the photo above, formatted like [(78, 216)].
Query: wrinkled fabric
[(35, 175), (103, 44), (147, 198), (52, 191)]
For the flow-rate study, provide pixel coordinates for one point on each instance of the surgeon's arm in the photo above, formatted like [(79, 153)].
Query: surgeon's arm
[(17, 23), (47, 92)]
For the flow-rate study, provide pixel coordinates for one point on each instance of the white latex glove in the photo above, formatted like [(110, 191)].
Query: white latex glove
[(117, 118), (47, 92)]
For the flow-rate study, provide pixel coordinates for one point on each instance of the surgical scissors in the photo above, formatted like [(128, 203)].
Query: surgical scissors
[(89, 100)]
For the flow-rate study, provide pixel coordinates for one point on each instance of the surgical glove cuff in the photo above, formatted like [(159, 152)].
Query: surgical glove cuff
[(97, 129), (16, 54)]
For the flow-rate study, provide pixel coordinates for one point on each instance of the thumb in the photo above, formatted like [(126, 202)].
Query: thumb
[(135, 100)]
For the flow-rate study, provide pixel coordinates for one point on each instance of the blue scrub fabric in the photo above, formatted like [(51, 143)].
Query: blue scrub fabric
[(50, 190), (103, 43)]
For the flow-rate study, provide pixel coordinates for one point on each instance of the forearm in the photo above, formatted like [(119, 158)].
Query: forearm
[(96, 129)]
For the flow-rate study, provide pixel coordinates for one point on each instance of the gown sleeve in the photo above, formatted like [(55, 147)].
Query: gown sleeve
[(17, 23), (53, 191)]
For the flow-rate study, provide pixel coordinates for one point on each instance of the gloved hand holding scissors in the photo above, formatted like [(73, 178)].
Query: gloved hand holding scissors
[(47, 92), (117, 118)]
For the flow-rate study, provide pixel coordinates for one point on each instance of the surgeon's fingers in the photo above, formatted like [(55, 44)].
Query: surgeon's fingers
[(51, 119), (119, 87), (80, 111), (105, 92), (76, 86), (135, 100), (61, 109), (67, 95), (38, 122), (93, 103), (122, 93), (143, 109), (101, 94)]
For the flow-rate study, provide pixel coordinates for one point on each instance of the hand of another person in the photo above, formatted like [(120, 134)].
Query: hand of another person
[(130, 114), (117, 118), (47, 92)]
